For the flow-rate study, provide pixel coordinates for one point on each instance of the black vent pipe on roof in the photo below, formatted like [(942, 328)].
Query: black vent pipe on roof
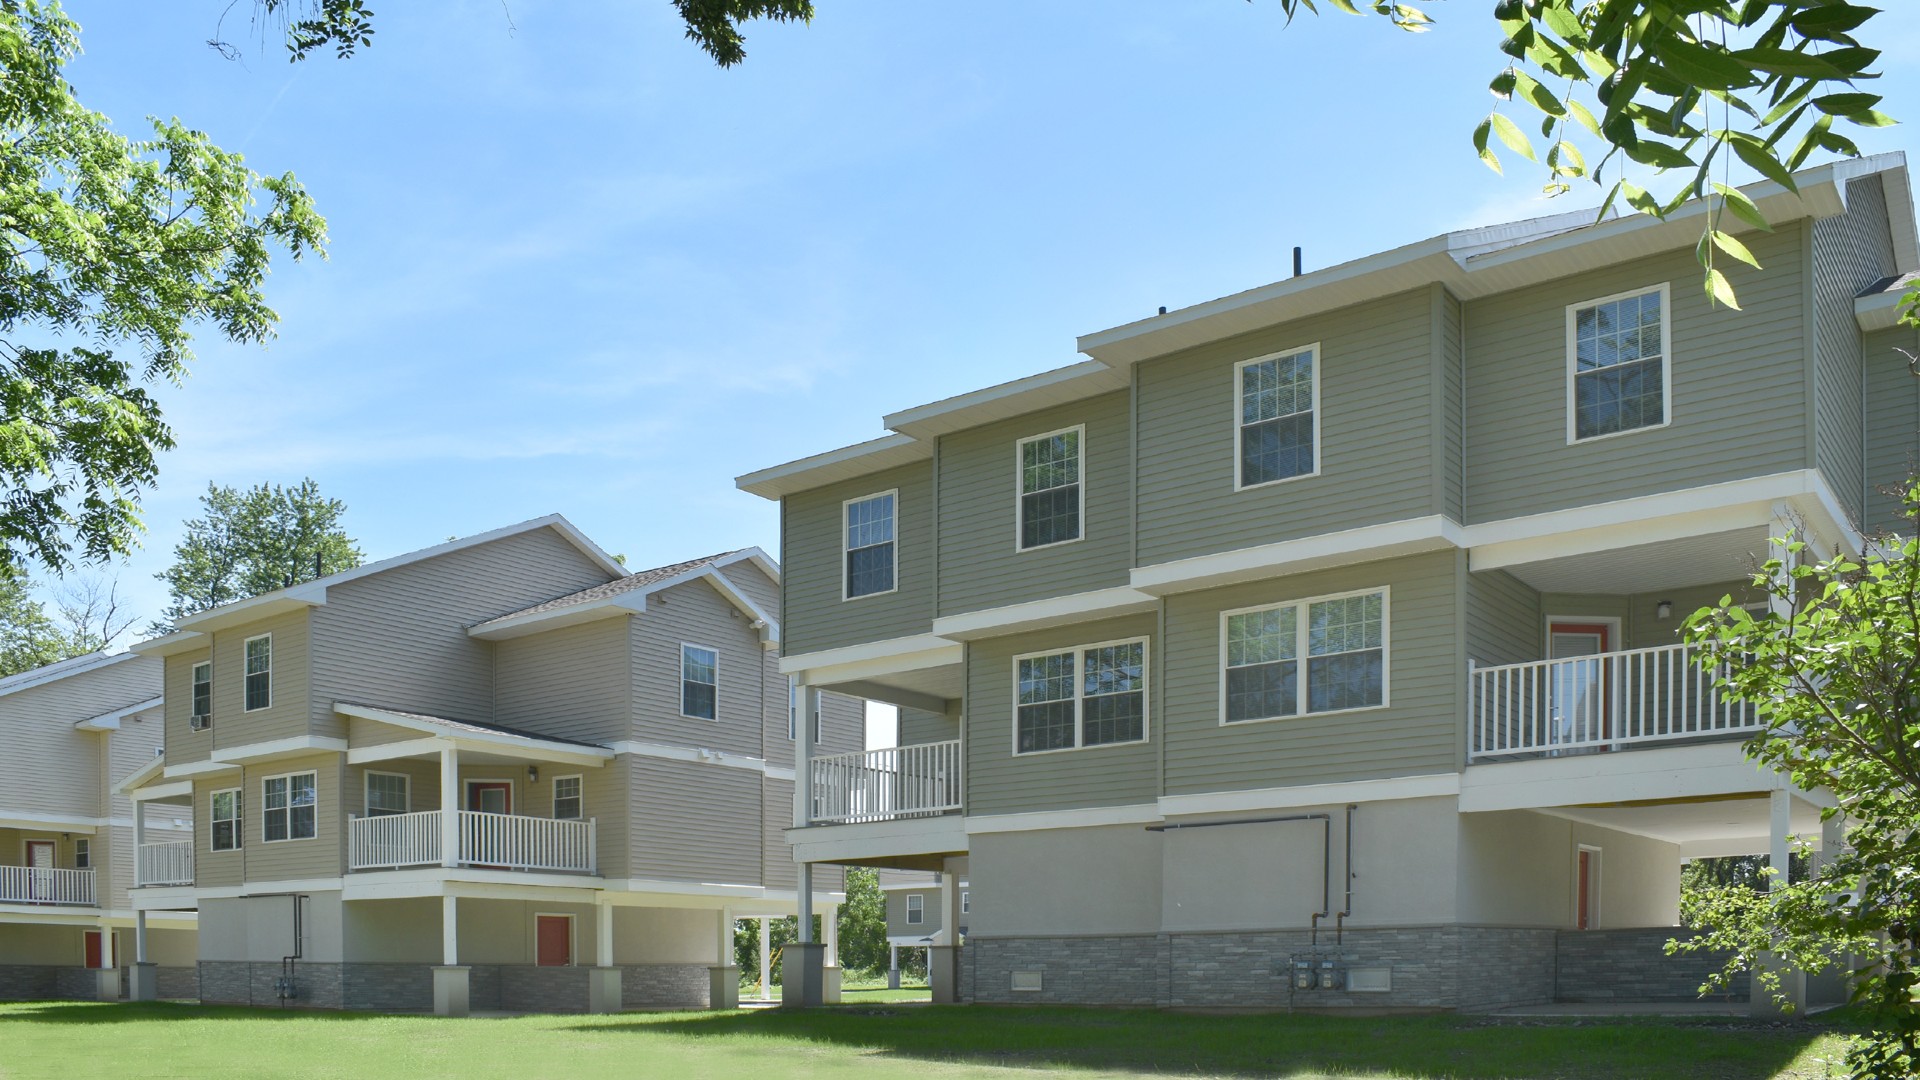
[(1297, 262)]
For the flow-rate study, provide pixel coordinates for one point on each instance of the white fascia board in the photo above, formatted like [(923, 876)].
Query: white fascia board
[(199, 768), (1424, 786), (467, 881), (393, 751), (863, 661), (63, 915), (1832, 525), (62, 669), (256, 888), (1879, 311), (1038, 614), (162, 792), (845, 463), (945, 834), (180, 641), (31, 820), (537, 622), (1639, 776), (1368, 543), (176, 898), (110, 721), (764, 624), (1088, 378), (1091, 817), (141, 775), (1898, 185), (533, 749), (274, 749), (252, 609)]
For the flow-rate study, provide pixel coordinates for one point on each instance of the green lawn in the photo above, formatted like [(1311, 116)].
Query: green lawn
[(926, 1042)]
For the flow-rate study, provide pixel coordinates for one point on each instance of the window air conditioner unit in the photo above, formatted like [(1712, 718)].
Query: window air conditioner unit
[(199, 723)]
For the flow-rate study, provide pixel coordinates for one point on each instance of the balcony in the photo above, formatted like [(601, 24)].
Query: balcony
[(1599, 703), (169, 863), (485, 841), (37, 885), (887, 785)]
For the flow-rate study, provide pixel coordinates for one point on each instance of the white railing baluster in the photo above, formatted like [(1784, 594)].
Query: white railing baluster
[(879, 785), (167, 863), (45, 885)]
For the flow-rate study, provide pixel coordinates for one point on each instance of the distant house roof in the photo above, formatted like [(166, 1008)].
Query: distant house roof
[(628, 595), (40, 676), (1878, 306)]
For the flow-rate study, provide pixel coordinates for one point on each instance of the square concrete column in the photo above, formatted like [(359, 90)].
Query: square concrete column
[(802, 974), (144, 982), (943, 960), (830, 970), (766, 959), (107, 982), (724, 991), (604, 990), (1793, 984), (450, 991)]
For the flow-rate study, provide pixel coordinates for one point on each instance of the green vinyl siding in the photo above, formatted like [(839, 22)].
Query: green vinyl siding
[(1503, 619), (1449, 407), (812, 530), (919, 727), (1893, 426), (1737, 407), (998, 782), (980, 567), (1417, 732), (1850, 252), (1373, 413)]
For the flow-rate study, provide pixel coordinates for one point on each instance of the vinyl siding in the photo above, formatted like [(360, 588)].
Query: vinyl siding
[(127, 750), (1418, 732), (1737, 409), (48, 767), (918, 726), (812, 527), (184, 745), (696, 614), (979, 484), (764, 591), (999, 782), (572, 682), (398, 639), (1374, 417), (1503, 620), (1892, 428), (324, 856), (779, 871), (897, 924), (727, 845), (217, 869), (287, 716), (1449, 411), (1850, 252)]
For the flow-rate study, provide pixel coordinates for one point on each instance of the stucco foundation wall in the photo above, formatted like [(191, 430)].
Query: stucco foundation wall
[(1632, 965)]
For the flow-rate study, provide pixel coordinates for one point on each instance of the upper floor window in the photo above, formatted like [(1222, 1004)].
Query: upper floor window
[(259, 688), (202, 690), (287, 806), (1050, 493), (869, 564), (1342, 640), (1617, 376), (699, 682), (1279, 438), (567, 803), (966, 906), (224, 820), (388, 793), (916, 909), (1090, 696), (82, 853)]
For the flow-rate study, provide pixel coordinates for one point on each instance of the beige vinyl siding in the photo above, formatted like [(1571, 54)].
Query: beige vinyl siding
[(1504, 624), (812, 552), (423, 787), (571, 682), (1892, 428), (1449, 411), (696, 614), (13, 846), (128, 750), (362, 732), (980, 566), (999, 782), (1373, 414), (48, 767), (398, 639), (184, 745), (324, 856), (776, 816), (1737, 409), (1850, 252), (287, 716), (897, 924), (1416, 733), (763, 590), (218, 869), (668, 798), (918, 726)]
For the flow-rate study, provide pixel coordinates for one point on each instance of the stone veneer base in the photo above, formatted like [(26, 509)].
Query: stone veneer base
[(373, 987)]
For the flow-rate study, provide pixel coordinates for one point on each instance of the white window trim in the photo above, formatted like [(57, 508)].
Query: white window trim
[(916, 916), (245, 674), (845, 550), (78, 843), (1019, 492), (1079, 674), (366, 789), (239, 818), (684, 646), (1319, 359), (193, 681), (288, 809), (573, 936), (553, 807), (1665, 289), (966, 904), (1386, 655)]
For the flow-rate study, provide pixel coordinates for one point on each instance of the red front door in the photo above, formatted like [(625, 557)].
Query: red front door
[(95, 959), (1583, 916), (490, 796), (553, 940)]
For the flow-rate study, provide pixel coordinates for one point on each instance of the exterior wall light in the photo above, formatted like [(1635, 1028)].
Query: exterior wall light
[(533, 774), (1664, 610)]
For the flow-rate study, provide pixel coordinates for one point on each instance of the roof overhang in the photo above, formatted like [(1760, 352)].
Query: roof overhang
[(634, 602), (110, 721), (436, 737), (64, 669), (1882, 310), (1075, 382), (845, 463)]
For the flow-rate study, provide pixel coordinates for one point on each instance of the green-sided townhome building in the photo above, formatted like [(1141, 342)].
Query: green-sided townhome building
[(1317, 645)]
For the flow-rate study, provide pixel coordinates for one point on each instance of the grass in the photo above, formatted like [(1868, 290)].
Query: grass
[(167, 1040)]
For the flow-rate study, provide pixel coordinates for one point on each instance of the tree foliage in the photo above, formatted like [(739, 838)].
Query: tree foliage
[(1838, 685), (29, 638), (120, 244), (255, 541)]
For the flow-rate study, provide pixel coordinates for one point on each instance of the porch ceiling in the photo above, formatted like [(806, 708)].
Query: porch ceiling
[(925, 688), (1721, 826), (1668, 564)]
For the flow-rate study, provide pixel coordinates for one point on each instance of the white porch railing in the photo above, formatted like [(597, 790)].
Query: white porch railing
[(1587, 704), (493, 841), (168, 863), (879, 785), (34, 885)]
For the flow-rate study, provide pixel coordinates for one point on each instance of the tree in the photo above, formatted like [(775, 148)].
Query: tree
[(28, 637), (863, 922), (252, 542), (113, 242), (1837, 680), (91, 613)]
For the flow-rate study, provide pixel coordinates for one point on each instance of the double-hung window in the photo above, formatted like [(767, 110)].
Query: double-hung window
[(916, 909), (1050, 493), (202, 691), (566, 798), (869, 527), (259, 679), (1074, 698), (1617, 371), (224, 821), (1308, 656), (699, 682), (388, 793), (287, 807), (1276, 424), (82, 853)]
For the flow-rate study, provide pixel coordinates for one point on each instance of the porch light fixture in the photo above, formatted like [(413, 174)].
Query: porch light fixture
[(1664, 610), (533, 771)]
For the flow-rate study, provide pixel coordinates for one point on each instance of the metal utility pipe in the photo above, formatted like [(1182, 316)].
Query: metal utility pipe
[(1326, 855), (1340, 920)]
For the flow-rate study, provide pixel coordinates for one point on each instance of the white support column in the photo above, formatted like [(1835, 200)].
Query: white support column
[(893, 966), (604, 991), (766, 959), (1783, 522), (449, 813), (806, 701), (449, 931), (724, 988), (139, 828), (450, 983), (803, 932), (802, 968), (143, 977), (830, 927), (1793, 984), (139, 937)]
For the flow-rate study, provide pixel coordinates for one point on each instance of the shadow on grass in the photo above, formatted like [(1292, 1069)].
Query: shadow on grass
[(1160, 1043)]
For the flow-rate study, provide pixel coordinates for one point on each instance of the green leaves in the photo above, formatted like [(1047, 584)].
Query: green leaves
[(255, 541)]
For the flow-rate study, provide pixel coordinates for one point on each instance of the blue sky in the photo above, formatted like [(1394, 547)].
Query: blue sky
[(578, 268)]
